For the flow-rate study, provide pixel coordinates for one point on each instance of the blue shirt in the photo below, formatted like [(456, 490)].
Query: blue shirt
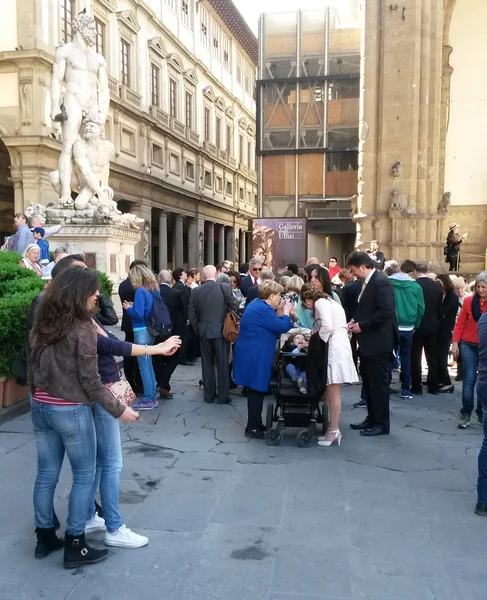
[(44, 248), (140, 311), (21, 239)]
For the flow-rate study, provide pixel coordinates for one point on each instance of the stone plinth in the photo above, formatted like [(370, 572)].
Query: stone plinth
[(107, 248)]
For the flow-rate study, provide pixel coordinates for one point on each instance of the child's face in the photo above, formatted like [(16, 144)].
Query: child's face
[(37, 236), (299, 341)]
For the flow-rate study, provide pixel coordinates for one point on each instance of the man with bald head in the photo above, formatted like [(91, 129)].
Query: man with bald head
[(312, 261), (208, 306), (164, 366)]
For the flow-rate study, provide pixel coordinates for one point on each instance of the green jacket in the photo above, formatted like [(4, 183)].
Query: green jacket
[(409, 300)]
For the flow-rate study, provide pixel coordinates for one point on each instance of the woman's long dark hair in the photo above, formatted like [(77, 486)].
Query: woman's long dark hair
[(322, 275), (446, 282), (63, 304)]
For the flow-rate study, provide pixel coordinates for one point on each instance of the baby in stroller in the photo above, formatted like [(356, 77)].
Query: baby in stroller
[(297, 345)]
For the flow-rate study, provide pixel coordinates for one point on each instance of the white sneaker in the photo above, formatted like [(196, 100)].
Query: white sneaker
[(125, 538), (95, 524)]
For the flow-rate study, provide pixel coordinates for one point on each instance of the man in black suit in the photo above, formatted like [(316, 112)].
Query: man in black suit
[(130, 365), (164, 366), (208, 307), (253, 292), (375, 325), (253, 278), (180, 276), (425, 335)]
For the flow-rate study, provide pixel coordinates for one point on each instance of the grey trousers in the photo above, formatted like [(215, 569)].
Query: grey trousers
[(215, 353)]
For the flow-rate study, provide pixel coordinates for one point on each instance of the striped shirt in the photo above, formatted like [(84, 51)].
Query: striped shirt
[(45, 398)]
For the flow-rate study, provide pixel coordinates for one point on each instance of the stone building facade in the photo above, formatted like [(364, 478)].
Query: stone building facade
[(423, 122), (182, 118)]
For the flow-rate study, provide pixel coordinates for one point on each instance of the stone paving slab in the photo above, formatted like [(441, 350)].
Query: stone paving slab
[(233, 519)]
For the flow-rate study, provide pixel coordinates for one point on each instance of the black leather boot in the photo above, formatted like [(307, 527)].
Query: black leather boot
[(77, 552), (47, 542)]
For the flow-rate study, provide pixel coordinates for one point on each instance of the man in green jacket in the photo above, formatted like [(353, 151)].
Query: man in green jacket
[(409, 302)]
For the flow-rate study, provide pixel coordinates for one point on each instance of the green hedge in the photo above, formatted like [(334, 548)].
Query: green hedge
[(18, 287)]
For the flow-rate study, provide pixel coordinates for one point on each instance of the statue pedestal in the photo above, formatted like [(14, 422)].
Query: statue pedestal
[(107, 248)]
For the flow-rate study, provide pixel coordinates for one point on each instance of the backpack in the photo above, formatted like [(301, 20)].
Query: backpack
[(159, 324)]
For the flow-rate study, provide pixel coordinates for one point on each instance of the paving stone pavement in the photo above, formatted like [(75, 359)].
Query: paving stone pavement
[(234, 519)]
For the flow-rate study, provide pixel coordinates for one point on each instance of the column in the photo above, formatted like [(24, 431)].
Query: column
[(178, 235), (221, 244), (162, 241), (193, 243), (230, 245), (200, 224), (210, 243), (243, 246)]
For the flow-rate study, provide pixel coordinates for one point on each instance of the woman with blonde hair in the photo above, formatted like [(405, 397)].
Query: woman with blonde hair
[(146, 289), (331, 324), (30, 259)]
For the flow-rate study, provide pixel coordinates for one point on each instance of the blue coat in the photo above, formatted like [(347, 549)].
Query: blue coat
[(256, 344)]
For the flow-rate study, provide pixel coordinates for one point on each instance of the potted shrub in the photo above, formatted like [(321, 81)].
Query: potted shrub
[(18, 286)]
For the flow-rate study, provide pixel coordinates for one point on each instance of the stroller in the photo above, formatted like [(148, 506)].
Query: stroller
[(292, 408)]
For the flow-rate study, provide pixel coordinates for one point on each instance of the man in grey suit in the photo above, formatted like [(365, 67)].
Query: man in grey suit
[(208, 306)]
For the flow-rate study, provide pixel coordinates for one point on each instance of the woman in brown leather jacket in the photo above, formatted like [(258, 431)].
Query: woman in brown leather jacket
[(63, 368)]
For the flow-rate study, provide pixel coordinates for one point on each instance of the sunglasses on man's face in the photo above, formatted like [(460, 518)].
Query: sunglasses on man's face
[(257, 269)]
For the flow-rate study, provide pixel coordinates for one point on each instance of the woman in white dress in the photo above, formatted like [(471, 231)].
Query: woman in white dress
[(331, 323)]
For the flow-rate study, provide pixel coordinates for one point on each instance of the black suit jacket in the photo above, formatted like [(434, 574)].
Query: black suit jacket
[(208, 307), (376, 315), (350, 294), (252, 294), (433, 299), (183, 289), (126, 293), (174, 302), (379, 260), (245, 284)]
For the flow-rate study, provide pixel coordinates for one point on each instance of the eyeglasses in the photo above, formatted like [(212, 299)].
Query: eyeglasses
[(256, 268)]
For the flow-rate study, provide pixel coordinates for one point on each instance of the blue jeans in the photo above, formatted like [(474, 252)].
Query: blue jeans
[(294, 373), (470, 359), (60, 429), (406, 344), (145, 365), (108, 467), (482, 480)]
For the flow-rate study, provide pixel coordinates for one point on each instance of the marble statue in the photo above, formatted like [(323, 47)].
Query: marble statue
[(87, 97), (146, 241), (84, 164), (91, 155)]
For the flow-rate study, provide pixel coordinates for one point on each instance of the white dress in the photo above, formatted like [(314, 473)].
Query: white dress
[(332, 323)]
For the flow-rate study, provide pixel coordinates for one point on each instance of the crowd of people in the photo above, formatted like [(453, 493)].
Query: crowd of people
[(373, 317)]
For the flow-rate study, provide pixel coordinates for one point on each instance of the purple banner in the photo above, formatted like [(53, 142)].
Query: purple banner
[(279, 242)]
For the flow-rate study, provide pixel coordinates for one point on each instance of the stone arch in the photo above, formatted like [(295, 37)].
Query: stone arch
[(7, 193), (463, 145)]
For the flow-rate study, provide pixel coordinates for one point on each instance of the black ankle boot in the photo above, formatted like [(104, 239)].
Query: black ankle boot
[(47, 542), (77, 552)]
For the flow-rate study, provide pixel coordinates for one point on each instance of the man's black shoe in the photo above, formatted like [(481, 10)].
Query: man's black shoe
[(363, 425), (186, 363), (373, 431), (255, 433), (481, 509), (360, 404), (433, 392), (417, 392)]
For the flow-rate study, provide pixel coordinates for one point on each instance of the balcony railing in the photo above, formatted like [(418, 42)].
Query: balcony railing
[(113, 86), (177, 127), (131, 97), (159, 115), (232, 162), (253, 174), (209, 147)]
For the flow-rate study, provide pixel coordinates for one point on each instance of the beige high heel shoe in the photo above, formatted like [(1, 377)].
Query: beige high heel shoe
[(322, 441)]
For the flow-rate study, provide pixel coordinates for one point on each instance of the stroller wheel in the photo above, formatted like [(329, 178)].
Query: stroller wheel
[(304, 438), (273, 437), (200, 384), (269, 416)]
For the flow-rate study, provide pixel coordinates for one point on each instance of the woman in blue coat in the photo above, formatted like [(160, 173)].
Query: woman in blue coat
[(255, 348)]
